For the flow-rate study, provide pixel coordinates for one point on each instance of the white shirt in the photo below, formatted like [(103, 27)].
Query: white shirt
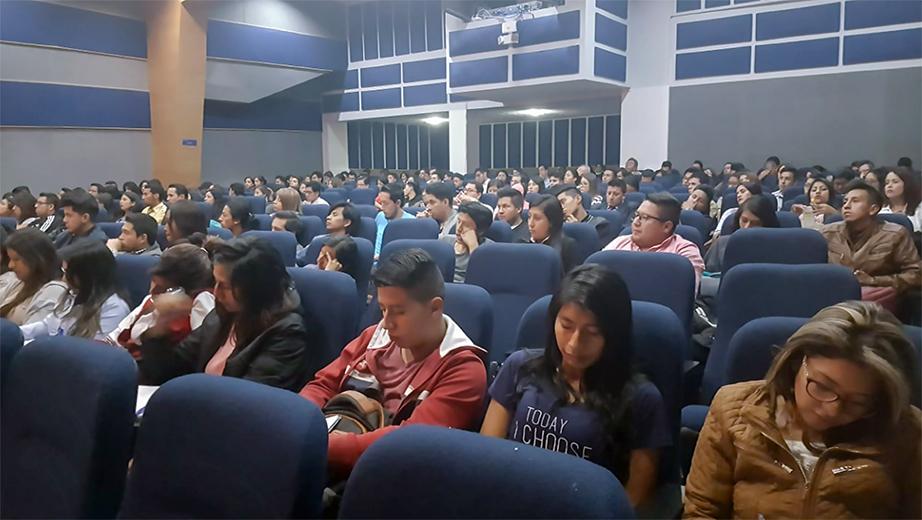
[(202, 305), (915, 218), (319, 201), (113, 310)]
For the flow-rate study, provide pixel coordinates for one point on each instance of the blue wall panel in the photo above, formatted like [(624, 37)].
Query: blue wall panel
[(706, 64), (540, 64), (809, 54), (499, 145), (486, 146), (390, 146), (346, 102), (613, 140), (424, 147), (50, 105), (709, 4), (514, 131), (596, 153), (379, 99), (529, 141), (417, 28), (43, 23), (877, 13), (377, 149), (402, 27), (370, 29), (413, 147), (379, 76), (385, 29), (577, 141), (609, 65), (365, 144), (402, 147), (545, 143), (438, 147), (434, 19), (682, 6), (888, 46), (424, 70), (615, 7), (547, 29), (562, 142), (473, 41), (611, 33), (818, 19), (356, 47), (250, 43), (265, 114), (416, 95), (352, 132), (744, 1), (733, 29), (479, 72), (351, 79)]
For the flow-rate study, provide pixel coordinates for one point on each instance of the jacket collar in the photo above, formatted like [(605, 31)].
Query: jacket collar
[(454, 339)]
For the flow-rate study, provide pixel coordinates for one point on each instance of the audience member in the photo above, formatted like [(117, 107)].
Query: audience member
[(632, 183), (615, 200), (80, 210), (787, 176), (882, 254), (280, 182), (153, 196), (131, 187), (265, 192), (46, 211), (413, 195), (438, 197), (841, 179), (864, 166), (631, 165), (653, 229), (236, 216), (424, 369), (94, 189), (138, 237), (589, 187), (92, 308), (217, 197), (287, 199), (362, 181), (743, 192), (344, 219), (22, 206), (509, 209), (474, 221), (554, 177), (569, 177), (6, 207), (176, 193), (236, 189), (339, 253), (904, 162), (312, 193), (571, 200), (757, 212), (470, 191), (255, 332), (535, 185), (903, 195), (294, 181), (582, 395), (183, 220), (823, 201), (290, 222), (830, 433), (700, 200), (875, 176), (390, 206), (545, 226), (248, 184), (31, 289), (128, 203)]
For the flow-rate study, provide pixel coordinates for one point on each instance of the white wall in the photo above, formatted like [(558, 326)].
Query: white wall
[(230, 155), (315, 17)]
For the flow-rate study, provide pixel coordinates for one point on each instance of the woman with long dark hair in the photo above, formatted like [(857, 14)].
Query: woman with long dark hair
[(22, 205), (545, 224), (129, 202), (236, 216), (217, 197), (183, 220), (94, 307), (255, 332), (582, 395), (31, 289), (901, 188), (756, 212)]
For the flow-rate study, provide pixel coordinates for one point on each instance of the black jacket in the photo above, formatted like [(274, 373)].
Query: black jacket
[(567, 249), (275, 358)]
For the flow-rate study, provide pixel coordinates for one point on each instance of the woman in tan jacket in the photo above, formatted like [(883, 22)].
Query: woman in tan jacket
[(830, 433)]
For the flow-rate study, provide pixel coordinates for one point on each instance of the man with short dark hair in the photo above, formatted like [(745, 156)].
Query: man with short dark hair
[(287, 221), (841, 180), (390, 206), (46, 211), (153, 196), (554, 177), (458, 181), (616, 201), (312, 191), (607, 176), (542, 173), (279, 182), (653, 229), (695, 178), (416, 360), (881, 254), (864, 166), (438, 198), (138, 237), (473, 224), (361, 181), (80, 208), (176, 193), (786, 179), (480, 176), (571, 201), (509, 206)]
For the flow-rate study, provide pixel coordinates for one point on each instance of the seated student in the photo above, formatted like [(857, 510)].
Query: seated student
[(93, 308), (413, 195), (153, 196), (758, 211), (882, 254), (139, 237), (48, 221), (470, 191), (787, 176), (615, 200), (129, 202), (571, 200), (339, 253), (343, 219), (545, 226), (183, 220), (438, 198), (288, 221), (22, 205), (255, 332), (390, 206), (311, 191), (509, 209), (185, 268), (653, 229), (694, 178), (236, 189), (840, 181), (554, 177), (700, 200), (589, 187), (581, 394), (287, 199), (236, 216), (743, 192), (31, 289), (877, 177), (830, 433), (632, 183), (80, 209), (535, 185), (176, 193), (265, 192), (362, 181), (823, 200), (417, 361), (901, 187), (474, 221)]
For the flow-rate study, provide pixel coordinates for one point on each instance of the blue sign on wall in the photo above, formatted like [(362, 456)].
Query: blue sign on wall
[(189, 142)]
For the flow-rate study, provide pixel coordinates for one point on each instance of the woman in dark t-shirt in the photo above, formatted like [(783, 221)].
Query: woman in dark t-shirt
[(581, 395)]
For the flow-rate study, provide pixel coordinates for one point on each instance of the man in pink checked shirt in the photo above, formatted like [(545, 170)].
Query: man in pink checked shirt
[(653, 229)]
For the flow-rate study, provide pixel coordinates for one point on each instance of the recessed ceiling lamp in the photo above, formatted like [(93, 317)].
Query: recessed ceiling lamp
[(535, 112), (435, 120)]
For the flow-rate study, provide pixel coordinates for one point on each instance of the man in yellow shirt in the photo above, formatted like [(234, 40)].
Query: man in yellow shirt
[(153, 196)]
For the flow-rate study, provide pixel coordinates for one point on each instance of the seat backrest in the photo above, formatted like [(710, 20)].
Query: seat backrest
[(792, 192), (471, 308), (317, 210), (636, 198), (133, 275), (448, 473), (9, 223), (365, 196), (728, 201), (692, 235), (224, 234), (334, 195), (313, 226), (414, 210), (283, 242), (102, 216), (264, 222), (111, 229), (367, 210), (205, 207), (369, 229), (662, 278), (681, 197), (698, 221), (775, 246), (895, 218), (257, 204), (419, 228), (10, 343), (650, 187), (363, 270), (751, 291), (489, 199), (500, 232), (67, 429), (615, 220), (442, 252), (788, 219), (515, 275), (200, 433), (586, 237), (532, 197)]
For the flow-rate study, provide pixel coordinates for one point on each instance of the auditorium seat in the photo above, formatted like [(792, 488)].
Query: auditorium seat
[(283, 242), (635, 198), (788, 219), (448, 473), (102, 216), (363, 196), (314, 226), (111, 229), (369, 229), (222, 447), (586, 237), (161, 238), (316, 210), (257, 205), (681, 197), (792, 193), (220, 232), (442, 252), (500, 232), (662, 278), (489, 199), (205, 207), (264, 222), (698, 221), (10, 343), (334, 195), (894, 218), (363, 269), (419, 228), (515, 275), (133, 275), (9, 223), (650, 187), (328, 303), (615, 220), (367, 211), (728, 201), (692, 235), (775, 246), (67, 429)]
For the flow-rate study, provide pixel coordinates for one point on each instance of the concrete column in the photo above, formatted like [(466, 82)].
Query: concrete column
[(335, 144), (176, 69), (457, 141), (645, 126)]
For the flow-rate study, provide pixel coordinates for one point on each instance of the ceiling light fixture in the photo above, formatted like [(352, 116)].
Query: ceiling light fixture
[(435, 120), (535, 112)]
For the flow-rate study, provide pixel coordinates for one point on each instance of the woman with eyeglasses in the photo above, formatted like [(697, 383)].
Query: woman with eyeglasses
[(830, 432)]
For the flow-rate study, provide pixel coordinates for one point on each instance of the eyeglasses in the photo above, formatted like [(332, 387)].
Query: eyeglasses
[(824, 394), (644, 218)]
